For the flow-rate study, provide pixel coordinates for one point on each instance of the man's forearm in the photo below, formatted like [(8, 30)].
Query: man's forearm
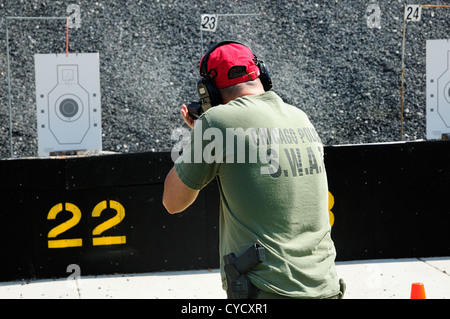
[(177, 196)]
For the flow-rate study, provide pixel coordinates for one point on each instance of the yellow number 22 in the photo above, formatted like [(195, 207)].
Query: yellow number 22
[(75, 219)]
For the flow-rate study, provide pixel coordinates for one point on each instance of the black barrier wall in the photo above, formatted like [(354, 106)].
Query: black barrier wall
[(390, 200), (101, 213), (104, 213)]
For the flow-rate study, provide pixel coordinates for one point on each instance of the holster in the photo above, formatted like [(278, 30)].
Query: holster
[(239, 285)]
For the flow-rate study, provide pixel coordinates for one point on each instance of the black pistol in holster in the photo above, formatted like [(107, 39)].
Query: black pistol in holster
[(238, 284)]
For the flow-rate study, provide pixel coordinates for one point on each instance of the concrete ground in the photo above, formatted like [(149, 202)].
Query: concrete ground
[(368, 279)]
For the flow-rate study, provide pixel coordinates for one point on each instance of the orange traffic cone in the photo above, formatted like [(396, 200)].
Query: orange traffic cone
[(418, 291)]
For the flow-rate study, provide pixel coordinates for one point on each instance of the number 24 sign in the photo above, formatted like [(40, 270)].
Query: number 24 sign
[(413, 12), (75, 219)]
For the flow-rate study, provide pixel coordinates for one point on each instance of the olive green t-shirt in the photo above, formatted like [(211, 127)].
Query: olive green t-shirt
[(268, 161)]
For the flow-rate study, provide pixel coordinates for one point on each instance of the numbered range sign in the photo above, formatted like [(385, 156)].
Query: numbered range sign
[(413, 12), (85, 228), (75, 217), (438, 89), (68, 103), (208, 22)]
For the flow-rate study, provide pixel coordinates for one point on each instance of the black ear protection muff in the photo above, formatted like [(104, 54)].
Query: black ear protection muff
[(206, 87)]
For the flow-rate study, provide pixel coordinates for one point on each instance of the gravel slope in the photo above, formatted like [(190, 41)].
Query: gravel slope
[(322, 55)]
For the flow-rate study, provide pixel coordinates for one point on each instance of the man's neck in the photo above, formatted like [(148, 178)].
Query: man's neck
[(245, 91)]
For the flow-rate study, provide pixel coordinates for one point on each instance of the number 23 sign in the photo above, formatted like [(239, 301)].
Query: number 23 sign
[(209, 22)]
